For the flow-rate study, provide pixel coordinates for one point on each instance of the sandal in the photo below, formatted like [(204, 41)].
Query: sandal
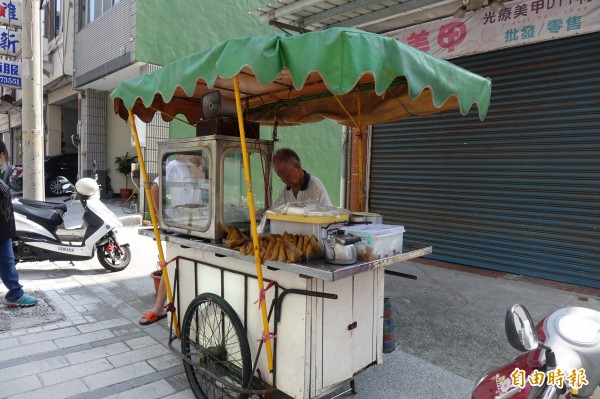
[(151, 317)]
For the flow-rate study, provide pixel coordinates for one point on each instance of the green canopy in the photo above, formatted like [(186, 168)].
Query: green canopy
[(343, 74)]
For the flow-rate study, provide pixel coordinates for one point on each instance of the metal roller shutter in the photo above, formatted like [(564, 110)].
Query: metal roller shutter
[(518, 192)]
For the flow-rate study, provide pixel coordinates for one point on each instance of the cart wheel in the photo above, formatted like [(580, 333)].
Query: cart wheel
[(214, 343)]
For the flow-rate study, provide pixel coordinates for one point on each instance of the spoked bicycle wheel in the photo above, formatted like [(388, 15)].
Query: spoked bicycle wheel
[(214, 343)]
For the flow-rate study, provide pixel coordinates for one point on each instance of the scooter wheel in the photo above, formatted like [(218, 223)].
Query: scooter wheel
[(113, 259)]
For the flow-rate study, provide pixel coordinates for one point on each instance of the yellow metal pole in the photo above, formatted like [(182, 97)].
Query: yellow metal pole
[(255, 242), (161, 255)]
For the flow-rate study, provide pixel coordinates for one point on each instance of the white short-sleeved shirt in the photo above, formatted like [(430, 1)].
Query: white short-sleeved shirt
[(312, 190), (184, 188)]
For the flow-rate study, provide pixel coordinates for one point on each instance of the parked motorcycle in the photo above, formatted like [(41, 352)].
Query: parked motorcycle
[(40, 232), (562, 358)]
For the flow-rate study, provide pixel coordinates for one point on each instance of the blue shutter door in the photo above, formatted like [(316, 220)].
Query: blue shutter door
[(518, 192)]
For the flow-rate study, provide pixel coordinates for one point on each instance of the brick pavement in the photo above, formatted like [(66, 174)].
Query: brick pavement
[(99, 350)]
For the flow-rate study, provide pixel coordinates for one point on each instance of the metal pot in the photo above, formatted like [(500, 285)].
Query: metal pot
[(357, 219), (366, 217), (340, 250)]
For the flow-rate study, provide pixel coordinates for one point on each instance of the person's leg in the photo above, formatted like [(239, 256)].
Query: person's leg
[(8, 271), (10, 278), (161, 298), (158, 312)]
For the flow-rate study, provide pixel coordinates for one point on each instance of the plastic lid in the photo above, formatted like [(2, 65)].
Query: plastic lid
[(307, 219), (366, 214), (375, 229)]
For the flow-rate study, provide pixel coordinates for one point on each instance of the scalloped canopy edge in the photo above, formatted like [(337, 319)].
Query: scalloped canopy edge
[(341, 74)]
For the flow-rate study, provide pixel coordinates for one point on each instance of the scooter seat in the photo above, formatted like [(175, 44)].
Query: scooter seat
[(58, 206), (43, 216)]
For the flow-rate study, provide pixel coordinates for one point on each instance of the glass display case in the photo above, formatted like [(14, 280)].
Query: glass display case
[(202, 184)]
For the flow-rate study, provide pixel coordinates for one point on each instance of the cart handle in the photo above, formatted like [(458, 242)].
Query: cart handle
[(284, 292)]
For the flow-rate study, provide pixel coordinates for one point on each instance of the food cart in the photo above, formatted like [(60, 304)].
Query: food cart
[(296, 329)]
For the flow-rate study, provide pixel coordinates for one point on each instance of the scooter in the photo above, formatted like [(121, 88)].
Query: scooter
[(41, 236), (561, 359)]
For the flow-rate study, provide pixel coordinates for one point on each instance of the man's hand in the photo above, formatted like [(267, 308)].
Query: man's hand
[(184, 159)]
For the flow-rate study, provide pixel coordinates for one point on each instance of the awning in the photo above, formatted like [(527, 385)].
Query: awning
[(340, 73)]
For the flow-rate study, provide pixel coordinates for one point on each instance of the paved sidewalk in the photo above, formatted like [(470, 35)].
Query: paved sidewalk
[(85, 341), (97, 349)]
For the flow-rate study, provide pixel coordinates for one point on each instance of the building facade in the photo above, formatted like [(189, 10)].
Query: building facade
[(117, 41), (90, 46)]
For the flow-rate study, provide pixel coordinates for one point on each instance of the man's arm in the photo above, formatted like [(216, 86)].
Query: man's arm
[(280, 200), (197, 171), (154, 193), (195, 165), (324, 198)]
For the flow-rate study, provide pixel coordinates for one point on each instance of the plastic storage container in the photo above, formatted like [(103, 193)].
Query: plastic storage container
[(295, 224), (377, 240)]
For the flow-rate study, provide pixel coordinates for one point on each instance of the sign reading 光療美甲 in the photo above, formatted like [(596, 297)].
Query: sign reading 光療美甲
[(11, 13), (10, 73), (518, 23)]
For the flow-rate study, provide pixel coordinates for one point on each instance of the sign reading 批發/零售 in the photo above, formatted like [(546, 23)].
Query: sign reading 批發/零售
[(520, 22)]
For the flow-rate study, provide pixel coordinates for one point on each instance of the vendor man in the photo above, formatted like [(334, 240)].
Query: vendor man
[(300, 186), (182, 175)]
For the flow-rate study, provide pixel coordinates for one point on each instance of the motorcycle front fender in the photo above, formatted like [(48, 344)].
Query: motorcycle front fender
[(497, 382), (104, 240)]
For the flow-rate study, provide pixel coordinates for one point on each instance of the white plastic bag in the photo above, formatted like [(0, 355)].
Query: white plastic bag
[(308, 209)]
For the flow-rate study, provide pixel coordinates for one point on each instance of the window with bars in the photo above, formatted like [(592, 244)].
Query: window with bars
[(91, 10)]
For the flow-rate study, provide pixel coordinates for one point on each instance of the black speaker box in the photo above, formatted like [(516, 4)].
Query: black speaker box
[(226, 127)]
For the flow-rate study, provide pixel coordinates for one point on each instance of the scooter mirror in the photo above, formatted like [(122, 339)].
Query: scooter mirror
[(520, 330)]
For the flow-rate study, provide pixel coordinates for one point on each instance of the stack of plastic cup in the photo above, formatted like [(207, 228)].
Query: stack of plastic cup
[(389, 342)]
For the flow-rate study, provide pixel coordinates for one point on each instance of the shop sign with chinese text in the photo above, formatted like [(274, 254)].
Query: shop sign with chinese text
[(11, 13), (519, 23), (10, 73), (10, 42)]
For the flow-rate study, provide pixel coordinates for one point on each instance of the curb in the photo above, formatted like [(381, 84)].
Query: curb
[(579, 289), (131, 220)]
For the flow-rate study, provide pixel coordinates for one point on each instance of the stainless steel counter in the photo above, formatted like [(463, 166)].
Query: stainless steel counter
[(316, 268)]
